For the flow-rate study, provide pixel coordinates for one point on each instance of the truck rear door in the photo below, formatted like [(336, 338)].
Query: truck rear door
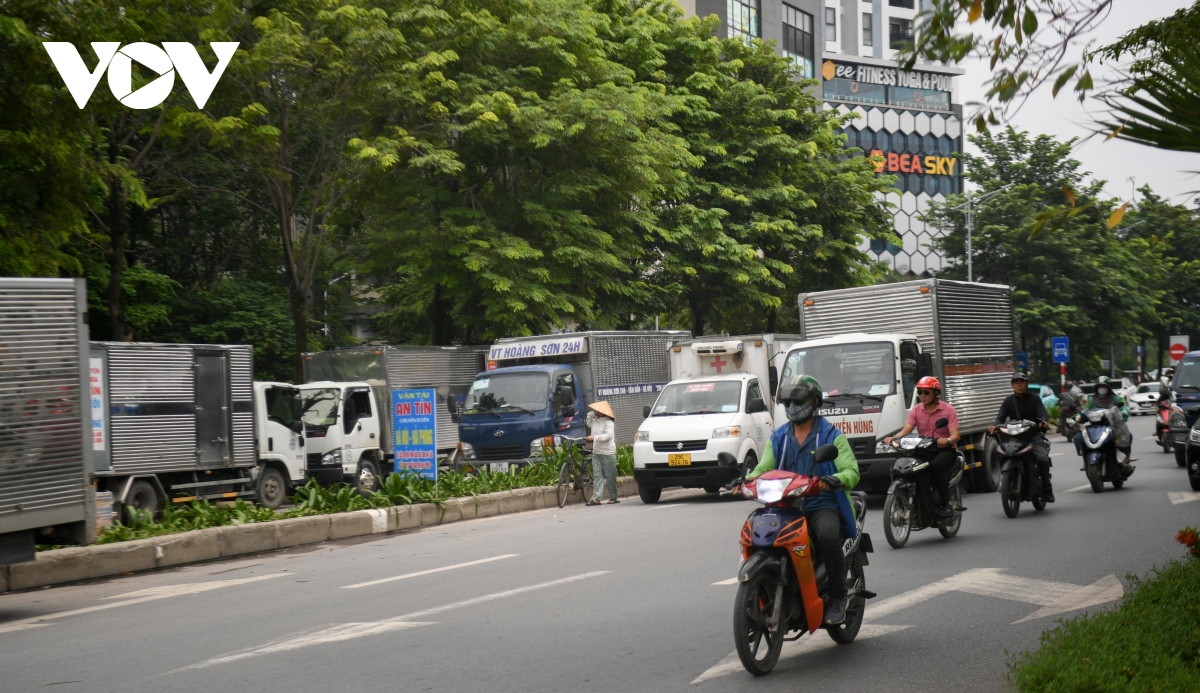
[(212, 409)]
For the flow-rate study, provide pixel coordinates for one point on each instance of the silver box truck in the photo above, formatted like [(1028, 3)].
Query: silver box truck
[(869, 345), (45, 442)]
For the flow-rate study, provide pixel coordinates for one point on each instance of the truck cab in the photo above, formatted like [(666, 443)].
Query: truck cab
[(342, 433), (508, 412), (279, 433), (692, 422)]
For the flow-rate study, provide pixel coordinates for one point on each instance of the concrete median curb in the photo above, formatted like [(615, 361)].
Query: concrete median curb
[(61, 566)]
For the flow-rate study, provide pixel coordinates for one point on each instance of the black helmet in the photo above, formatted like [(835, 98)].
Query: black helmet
[(804, 388), (1019, 376)]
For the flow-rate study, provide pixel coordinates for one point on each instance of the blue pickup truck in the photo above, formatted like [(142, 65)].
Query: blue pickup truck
[(536, 387)]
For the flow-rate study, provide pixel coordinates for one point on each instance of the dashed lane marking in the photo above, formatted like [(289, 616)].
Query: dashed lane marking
[(730, 581), (428, 572), (1085, 487), (1178, 497)]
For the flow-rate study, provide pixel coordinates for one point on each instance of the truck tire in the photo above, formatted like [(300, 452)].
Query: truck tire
[(648, 495), (1181, 456), (142, 496), (272, 488), (987, 477), (366, 479)]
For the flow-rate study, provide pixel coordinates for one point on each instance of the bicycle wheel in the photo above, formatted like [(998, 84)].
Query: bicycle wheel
[(564, 483), (584, 482)]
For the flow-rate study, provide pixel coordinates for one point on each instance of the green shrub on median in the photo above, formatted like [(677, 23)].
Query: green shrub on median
[(1151, 642)]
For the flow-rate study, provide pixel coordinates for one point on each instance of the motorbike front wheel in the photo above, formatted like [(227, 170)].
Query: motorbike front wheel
[(1095, 477), (897, 517), (757, 605), (1164, 440), (856, 581), (1010, 492)]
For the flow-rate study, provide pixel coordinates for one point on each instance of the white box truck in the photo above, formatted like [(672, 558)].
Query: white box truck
[(719, 399), (869, 345), (45, 441)]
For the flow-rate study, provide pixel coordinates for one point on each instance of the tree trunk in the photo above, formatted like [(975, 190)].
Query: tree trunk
[(771, 318), (440, 318), (299, 304), (698, 316), (118, 233)]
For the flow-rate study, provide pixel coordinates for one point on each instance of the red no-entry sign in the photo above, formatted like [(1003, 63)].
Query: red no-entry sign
[(1177, 351)]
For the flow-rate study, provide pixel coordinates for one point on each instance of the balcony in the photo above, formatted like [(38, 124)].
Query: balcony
[(899, 39), (906, 4)]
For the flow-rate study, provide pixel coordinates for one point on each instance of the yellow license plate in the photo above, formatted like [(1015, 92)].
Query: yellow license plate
[(679, 459)]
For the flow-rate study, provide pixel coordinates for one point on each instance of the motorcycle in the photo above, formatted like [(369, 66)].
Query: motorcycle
[(1067, 423), (1162, 425), (1020, 478), (906, 508), (781, 587), (1100, 450)]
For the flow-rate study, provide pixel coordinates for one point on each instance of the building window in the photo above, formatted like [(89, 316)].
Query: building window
[(743, 19), (798, 39), (831, 24), (842, 89), (868, 26), (906, 4), (900, 32)]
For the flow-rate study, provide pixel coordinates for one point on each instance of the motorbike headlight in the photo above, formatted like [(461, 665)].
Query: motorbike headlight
[(468, 451), (1194, 436), (909, 443), (1095, 416), (728, 432), (1015, 429), (882, 448), (771, 490), (641, 436)]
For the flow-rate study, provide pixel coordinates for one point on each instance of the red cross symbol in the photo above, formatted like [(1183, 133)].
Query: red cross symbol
[(718, 363)]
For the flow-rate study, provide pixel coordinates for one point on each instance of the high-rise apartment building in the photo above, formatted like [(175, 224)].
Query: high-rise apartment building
[(913, 118)]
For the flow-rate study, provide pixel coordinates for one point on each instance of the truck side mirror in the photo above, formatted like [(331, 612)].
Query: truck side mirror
[(297, 407), (565, 396), (646, 411), (297, 426), (941, 423), (755, 405), (826, 453), (455, 410), (568, 411), (773, 379)]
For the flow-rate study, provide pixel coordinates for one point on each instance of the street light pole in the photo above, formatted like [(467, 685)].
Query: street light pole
[(970, 204)]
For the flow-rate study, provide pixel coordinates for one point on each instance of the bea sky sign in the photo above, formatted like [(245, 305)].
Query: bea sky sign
[(414, 431), (1060, 348), (1179, 346)]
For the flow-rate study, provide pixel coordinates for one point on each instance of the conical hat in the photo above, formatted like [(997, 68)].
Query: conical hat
[(602, 408)]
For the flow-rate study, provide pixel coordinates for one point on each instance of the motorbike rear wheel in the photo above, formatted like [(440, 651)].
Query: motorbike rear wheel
[(898, 517), (949, 530), (758, 644), (856, 580), (1095, 478), (1010, 492)]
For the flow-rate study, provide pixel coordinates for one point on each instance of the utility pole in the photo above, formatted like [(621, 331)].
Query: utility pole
[(970, 204)]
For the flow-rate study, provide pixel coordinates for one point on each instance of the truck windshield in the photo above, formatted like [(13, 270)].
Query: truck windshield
[(509, 392), (321, 406), (1187, 374), (846, 369), (681, 399)]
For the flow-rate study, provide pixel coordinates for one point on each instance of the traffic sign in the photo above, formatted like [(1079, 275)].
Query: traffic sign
[(1023, 360), (1179, 346), (1060, 348)]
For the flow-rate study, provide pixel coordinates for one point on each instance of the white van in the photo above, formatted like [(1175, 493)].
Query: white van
[(694, 420)]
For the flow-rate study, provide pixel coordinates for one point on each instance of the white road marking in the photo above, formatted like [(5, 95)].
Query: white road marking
[(1178, 497), (349, 631), (1085, 487), (730, 581), (1057, 454), (138, 597), (1053, 597), (427, 572), (665, 506)]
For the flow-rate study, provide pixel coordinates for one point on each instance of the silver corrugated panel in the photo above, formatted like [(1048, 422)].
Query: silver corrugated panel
[(241, 373), (449, 369), (148, 444), (243, 438), (42, 460), (631, 358), (975, 321), (977, 398), (899, 307), (149, 372)]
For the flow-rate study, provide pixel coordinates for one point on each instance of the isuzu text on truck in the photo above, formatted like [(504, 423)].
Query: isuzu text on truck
[(719, 400), (869, 345), (536, 387)]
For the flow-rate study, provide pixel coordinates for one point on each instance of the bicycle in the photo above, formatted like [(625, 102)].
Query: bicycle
[(575, 473)]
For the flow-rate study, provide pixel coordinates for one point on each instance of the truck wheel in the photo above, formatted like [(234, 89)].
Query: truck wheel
[(272, 488), (1194, 475), (649, 496), (142, 496), (365, 481), (1181, 456)]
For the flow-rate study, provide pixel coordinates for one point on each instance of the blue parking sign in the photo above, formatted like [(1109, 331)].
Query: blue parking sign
[(1060, 348)]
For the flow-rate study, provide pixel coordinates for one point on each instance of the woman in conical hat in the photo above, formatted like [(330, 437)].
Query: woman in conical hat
[(604, 453)]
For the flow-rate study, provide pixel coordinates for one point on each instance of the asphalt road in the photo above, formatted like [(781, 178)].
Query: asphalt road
[(595, 599)]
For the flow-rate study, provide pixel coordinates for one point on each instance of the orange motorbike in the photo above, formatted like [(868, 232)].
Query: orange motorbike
[(781, 588)]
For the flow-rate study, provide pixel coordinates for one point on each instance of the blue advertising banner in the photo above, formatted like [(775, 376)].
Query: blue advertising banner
[(1060, 348), (414, 431)]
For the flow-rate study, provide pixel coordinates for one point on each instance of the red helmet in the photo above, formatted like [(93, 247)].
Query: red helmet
[(929, 383)]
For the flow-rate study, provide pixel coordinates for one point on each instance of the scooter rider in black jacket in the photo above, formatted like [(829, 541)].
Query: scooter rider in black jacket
[(1023, 404)]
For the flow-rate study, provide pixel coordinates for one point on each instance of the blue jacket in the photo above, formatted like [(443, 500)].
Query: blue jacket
[(785, 454)]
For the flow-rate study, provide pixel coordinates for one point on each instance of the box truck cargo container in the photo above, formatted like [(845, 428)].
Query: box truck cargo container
[(869, 345), (45, 417)]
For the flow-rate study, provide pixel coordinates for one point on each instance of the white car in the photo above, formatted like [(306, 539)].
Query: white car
[(1143, 399), (691, 423)]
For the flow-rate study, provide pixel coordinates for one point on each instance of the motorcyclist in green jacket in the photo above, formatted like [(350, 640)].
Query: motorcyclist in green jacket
[(1106, 398)]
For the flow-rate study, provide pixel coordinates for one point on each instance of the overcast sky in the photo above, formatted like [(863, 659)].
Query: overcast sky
[(1115, 161)]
